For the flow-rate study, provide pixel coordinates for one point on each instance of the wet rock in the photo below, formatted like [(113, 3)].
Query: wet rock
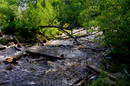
[(6, 82), (89, 59), (92, 79), (75, 54), (59, 42)]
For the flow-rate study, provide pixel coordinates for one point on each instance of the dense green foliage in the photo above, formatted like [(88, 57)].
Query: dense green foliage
[(111, 16), (8, 13), (24, 22), (114, 21), (68, 11), (36, 16)]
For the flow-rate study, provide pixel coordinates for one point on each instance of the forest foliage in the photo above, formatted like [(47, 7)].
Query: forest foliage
[(112, 17)]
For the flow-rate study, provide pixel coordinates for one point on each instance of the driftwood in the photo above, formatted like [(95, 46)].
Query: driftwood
[(84, 80), (99, 71)]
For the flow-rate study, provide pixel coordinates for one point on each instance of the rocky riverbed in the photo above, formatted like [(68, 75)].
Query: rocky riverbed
[(32, 70)]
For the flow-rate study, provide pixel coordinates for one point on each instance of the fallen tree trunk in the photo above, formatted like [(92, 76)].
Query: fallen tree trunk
[(45, 55), (41, 54), (23, 52)]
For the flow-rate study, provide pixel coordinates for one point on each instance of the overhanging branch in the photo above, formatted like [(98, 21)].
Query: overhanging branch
[(62, 29), (67, 28)]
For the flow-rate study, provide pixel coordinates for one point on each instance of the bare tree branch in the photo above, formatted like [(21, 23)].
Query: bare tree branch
[(67, 28)]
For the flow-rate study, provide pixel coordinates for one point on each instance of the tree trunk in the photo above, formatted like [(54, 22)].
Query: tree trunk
[(43, 3), (1, 33)]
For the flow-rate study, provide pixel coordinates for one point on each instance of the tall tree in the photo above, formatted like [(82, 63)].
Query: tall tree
[(43, 3), (9, 12), (114, 21)]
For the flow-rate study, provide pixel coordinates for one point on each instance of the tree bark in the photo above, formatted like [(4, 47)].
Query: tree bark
[(43, 3), (1, 33), (67, 28)]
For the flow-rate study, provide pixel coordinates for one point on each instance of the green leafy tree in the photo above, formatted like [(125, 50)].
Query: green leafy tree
[(68, 11), (8, 13), (36, 15), (114, 22)]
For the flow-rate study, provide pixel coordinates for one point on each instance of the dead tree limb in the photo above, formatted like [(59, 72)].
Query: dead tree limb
[(67, 28), (99, 71), (62, 29), (84, 80), (70, 35)]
